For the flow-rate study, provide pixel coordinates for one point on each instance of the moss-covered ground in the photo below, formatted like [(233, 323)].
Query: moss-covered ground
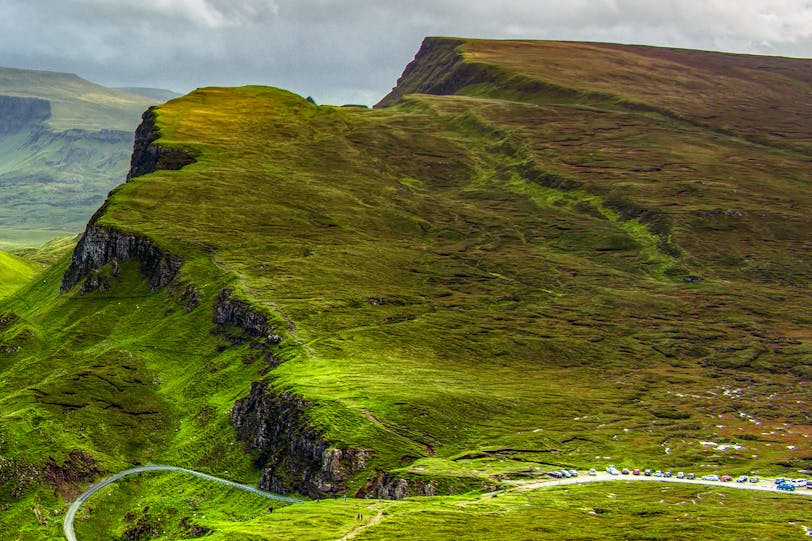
[(470, 287)]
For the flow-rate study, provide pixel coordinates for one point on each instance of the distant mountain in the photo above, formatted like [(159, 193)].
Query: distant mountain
[(157, 94), (64, 143)]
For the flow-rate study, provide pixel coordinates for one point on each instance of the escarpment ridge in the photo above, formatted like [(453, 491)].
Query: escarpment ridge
[(510, 269)]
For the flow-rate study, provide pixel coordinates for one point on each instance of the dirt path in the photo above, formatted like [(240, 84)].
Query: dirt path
[(358, 529)]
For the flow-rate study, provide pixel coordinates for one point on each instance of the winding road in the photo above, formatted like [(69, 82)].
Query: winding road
[(67, 523), (765, 485)]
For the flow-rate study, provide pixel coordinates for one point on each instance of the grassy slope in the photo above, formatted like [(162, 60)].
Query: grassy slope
[(433, 286), (14, 273)]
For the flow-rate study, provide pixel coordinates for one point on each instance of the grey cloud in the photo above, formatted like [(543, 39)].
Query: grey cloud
[(353, 50)]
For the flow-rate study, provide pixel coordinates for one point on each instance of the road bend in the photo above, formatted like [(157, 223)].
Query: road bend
[(70, 515), (764, 485)]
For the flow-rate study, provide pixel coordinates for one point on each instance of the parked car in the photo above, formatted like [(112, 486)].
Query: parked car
[(566, 474), (800, 482), (668, 474), (680, 475), (658, 473), (612, 470), (726, 478), (593, 471), (635, 472), (710, 478), (789, 487), (556, 474), (741, 479), (574, 473), (625, 471), (690, 476), (779, 480), (647, 473), (753, 479)]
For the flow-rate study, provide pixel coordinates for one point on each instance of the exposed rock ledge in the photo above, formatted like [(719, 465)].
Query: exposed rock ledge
[(294, 456), (102, 245), (149, 157)]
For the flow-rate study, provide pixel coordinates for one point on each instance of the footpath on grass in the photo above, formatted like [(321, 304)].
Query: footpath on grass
[(764, 485), (67, 523)]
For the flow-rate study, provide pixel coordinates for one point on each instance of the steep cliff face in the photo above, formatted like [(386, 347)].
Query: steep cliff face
[(17, 113), (101, 245), (294, 456), (147, 156), (437, 68)]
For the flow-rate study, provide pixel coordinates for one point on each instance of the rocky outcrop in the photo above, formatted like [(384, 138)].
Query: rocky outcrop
[(253, 327), (102, 245), (385, 486), (294, 456), (149, 157), (19, 112)]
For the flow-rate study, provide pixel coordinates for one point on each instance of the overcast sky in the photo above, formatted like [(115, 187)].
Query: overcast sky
[(354, 50)]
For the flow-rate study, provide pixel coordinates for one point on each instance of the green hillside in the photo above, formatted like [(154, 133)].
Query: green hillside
[(451, 294), (64, 143), (14, 273)]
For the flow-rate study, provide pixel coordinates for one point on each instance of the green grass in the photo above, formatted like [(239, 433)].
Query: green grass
[(14, 272), (617, 510), (468, 287)]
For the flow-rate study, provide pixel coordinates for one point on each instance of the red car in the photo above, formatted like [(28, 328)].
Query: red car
[(635, 472), (726, 478)]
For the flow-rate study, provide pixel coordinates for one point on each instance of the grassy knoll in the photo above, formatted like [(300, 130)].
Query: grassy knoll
[(467, 286)]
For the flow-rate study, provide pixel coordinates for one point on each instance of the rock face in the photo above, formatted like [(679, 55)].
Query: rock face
[(228, 311), (147, 156), (385, 486), (20, 112), (294, 456), (102, 245), (256, 331)]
